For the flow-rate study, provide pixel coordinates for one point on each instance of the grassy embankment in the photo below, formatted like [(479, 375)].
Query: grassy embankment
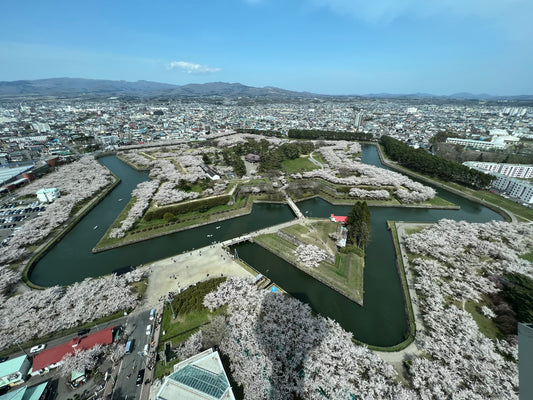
[(144, 229), (523, 214), (338, 194), (191, 315), (345, 276), (40, 248)]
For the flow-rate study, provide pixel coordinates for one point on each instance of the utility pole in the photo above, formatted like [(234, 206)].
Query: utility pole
[(17, 342), (169, 301)]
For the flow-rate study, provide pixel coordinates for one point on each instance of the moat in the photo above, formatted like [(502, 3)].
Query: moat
[(382, 320)]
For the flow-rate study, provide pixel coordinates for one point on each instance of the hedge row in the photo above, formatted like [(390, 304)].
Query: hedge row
[(328, 135), (201, 205)]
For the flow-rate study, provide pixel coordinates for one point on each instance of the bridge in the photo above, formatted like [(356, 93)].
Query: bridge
[(293, 206), (251, 235)]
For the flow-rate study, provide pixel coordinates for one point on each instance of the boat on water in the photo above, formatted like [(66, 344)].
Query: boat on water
[(119, 199), (218, 227), (95, 227), (209, 235)]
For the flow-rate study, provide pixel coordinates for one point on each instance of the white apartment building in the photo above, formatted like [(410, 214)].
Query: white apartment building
[(518, 189), (477, 144), (523, 171)]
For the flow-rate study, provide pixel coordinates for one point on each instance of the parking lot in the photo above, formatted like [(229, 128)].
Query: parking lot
[(14, 214)]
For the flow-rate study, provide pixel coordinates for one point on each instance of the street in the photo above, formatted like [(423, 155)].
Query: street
[(135, 329)]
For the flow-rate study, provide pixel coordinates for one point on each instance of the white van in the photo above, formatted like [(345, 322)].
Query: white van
[(146, 349)]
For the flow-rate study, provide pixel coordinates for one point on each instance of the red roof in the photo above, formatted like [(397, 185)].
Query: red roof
[(55, 354), (338, 218)]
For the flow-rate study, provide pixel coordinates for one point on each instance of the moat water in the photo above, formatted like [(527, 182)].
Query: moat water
[(381, 321)]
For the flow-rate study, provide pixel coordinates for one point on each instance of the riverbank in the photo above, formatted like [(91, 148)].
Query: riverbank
[(186, 224), (397, 355), (37, 254), (341, 272), (468, 193)]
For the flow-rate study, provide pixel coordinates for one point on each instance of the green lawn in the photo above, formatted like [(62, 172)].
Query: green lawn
[(346, 276), (486, 326), (527, 256), (179, 330), (300, 164), (438, 202), (159, 226), (278, 245), (316, 233)]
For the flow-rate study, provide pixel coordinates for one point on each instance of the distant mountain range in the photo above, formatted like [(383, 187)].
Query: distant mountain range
[(97, 87), (78, 87)]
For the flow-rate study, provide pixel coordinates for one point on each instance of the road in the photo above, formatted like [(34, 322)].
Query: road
[(135, 329)]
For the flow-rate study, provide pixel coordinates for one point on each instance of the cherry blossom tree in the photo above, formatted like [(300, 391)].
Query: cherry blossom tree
[(310, 255), (279, 350), (36, 313), (81, 360)]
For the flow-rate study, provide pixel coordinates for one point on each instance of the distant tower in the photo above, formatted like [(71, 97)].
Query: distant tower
[(357, 117)]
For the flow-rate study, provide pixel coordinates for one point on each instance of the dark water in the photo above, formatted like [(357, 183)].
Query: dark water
[(382, 320), (71, 260)]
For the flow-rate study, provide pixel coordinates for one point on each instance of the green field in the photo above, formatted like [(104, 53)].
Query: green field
[(346, 276), (300, 164)]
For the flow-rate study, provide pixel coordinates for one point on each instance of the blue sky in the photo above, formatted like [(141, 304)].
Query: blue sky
[(321, 46)]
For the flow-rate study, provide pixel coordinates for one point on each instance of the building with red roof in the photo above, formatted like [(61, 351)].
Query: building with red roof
[(338, 218), (52, 357)]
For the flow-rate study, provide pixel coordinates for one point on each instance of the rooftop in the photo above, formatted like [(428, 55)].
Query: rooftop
[(55, 354), (201, 377), (11, 366)]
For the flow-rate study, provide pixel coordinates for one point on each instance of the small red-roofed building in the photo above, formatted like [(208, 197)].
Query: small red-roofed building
[(338, 218), (51, 358)]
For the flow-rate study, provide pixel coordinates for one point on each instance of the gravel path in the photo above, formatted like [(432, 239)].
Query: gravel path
[(180, 271)]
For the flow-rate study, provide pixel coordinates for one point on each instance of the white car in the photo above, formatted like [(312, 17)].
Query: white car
[(37, 348), (148, 330), (152, 314)]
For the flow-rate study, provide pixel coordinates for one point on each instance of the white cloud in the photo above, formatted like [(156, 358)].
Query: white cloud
[(192, 68)]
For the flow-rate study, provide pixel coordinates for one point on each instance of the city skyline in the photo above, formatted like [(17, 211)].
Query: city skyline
[(333, 47)]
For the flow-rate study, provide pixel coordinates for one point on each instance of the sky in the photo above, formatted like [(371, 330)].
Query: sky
[(320, 46)]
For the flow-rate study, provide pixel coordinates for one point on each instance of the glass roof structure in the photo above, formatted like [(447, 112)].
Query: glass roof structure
[(214, 385)]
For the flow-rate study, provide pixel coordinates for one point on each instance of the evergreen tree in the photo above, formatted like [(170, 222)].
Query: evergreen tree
[(358, 224)]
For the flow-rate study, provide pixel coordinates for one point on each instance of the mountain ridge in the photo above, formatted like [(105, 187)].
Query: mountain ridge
[(102, 87)]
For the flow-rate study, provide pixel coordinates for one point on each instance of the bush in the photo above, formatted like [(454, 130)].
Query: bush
[(168, 217), (191, 299)]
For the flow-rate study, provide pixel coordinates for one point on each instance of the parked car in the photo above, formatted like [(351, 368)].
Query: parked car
[(146, 349), (140, 377), (84, 332), (152, 314), (36, 349), (2, 359), (148, 329)]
